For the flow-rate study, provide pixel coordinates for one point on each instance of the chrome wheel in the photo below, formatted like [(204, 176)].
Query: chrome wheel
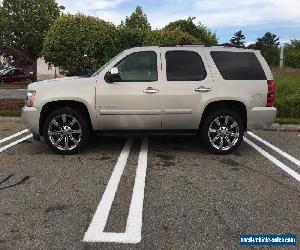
[(224, 132), (65, 132)]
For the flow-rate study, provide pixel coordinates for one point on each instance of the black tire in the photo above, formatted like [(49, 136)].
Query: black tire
[(209, 131), (80, 126)]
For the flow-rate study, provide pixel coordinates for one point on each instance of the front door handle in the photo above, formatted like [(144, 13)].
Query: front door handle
[(151, 90), (202, 89)]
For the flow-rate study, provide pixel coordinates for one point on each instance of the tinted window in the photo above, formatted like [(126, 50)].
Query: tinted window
[(138, 67), (238, 65), (184, 66)]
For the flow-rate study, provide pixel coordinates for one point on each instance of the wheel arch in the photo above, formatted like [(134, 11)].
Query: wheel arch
[(53, 105), (238, 106)]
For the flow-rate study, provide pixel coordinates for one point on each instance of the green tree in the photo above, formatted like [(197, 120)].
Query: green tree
[(80, 44), (292, 54), (132, 31), (165, 37), (269, 40), (269, 47), (137, 21), (24, 24), (238, 39), (199, 31)]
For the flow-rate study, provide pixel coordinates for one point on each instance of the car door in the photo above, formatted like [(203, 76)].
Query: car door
[(132, 102), (188, 85)]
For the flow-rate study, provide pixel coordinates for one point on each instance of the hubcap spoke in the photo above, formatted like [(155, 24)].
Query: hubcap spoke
[(73, 139), (216, 138), (218, 121), (64, 119), (226, 120), (58, 141), (66, 143), (55, 123), (221, 143), (72, 122), (228, 141), (212, 130), (76, 131), (233, 125)]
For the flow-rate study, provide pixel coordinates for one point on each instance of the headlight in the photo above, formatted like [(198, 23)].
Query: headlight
[(30, 98)]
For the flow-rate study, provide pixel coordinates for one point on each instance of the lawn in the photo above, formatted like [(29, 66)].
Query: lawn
[(10, 113), (287, 95)]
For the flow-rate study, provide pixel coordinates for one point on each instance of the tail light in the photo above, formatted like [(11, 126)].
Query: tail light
[(271, 93)]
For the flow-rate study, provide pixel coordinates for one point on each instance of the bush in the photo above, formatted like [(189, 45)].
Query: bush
[(287, 93), (292, 58), (80, 44)]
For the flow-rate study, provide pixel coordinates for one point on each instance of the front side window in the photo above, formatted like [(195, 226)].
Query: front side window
[(185, 66), (138, 67)]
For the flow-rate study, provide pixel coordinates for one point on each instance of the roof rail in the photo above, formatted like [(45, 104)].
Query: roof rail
[(230, 45)]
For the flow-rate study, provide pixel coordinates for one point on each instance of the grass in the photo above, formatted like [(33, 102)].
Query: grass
[(11, 113), (287, 94), (288, 120)]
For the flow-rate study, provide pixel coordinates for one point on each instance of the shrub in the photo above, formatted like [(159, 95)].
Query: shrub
[(80, 44)]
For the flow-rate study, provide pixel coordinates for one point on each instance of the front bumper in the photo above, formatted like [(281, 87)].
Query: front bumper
[(31, 118), (261, 117)]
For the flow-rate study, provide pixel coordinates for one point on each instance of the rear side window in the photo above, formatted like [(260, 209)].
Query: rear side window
[(185, 66), (238, 65)]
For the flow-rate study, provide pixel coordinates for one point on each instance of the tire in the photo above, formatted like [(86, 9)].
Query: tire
[(229, 129), (66, 131)]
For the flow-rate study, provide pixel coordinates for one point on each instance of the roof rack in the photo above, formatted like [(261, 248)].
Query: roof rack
[(203, 45)]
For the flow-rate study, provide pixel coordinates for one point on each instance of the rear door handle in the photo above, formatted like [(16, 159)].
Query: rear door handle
[(151, 90), (202, 89)]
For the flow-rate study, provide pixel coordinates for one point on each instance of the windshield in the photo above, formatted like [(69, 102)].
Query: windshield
[(105, 65)]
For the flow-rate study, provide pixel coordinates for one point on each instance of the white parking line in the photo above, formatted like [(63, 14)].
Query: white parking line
[(278, 163), (284, 154), (14, 135), (15, 143), (134, 222), (135, 217)]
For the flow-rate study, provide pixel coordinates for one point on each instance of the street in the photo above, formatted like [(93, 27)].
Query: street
[(191, 199)]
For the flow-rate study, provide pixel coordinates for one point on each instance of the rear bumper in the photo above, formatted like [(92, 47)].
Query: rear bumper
[(261, 117), (31, 117)]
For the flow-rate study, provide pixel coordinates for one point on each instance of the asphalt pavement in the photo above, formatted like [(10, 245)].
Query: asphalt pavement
[(192, 199)]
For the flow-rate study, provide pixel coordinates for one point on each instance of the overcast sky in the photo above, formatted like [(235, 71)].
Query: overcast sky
[(254, 17)]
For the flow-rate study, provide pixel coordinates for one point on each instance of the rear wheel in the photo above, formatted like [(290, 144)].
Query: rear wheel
[(222, 131), (66, 131)]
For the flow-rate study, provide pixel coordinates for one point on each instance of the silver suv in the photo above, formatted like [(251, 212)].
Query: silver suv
[(217, 92)]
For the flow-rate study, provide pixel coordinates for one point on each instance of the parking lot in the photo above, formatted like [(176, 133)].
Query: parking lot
[(168, 190)]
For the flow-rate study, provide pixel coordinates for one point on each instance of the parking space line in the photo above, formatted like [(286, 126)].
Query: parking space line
[(135, 217), (14, 135), (15, 143), (278, 163), (133, 232), (284, 154), (99, 220)]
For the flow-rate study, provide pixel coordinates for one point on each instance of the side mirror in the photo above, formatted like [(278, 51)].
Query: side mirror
[(112, 75)]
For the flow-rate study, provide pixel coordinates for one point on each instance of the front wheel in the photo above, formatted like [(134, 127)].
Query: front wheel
[(66, 131), (222, 131)]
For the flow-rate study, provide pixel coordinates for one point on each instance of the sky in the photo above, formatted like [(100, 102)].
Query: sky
[(253, 17)]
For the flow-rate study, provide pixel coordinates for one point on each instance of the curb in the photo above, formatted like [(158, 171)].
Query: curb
[(274, 127), (10, 119), (285, 127)]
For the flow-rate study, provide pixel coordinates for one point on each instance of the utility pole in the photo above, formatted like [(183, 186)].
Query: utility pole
[(281, 56)]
